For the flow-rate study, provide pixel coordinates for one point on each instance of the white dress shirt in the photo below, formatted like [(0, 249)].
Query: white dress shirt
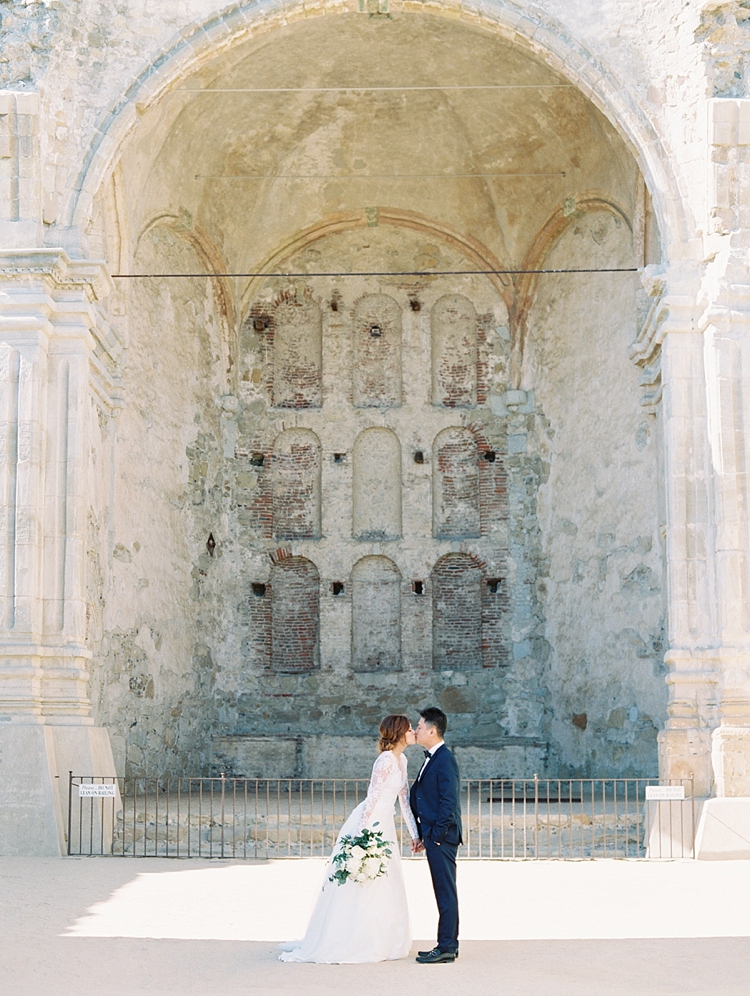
[(427, 759)]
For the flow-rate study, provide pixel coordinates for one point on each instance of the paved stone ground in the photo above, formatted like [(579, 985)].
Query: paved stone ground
[(121, 927)]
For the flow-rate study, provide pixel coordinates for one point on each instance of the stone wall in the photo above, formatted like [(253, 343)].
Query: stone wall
[(371, 559), (327, 498)]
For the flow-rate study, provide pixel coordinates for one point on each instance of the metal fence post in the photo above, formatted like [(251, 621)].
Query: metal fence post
[(70, 806), (223, 789)]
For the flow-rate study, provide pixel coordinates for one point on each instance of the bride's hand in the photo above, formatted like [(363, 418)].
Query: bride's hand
[(416, 845)]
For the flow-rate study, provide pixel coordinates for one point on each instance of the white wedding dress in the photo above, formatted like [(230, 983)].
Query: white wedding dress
[(365, 922)]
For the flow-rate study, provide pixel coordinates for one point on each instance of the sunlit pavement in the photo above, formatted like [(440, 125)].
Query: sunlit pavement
[(119, 926)]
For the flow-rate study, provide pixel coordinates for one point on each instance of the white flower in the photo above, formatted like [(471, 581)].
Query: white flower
[(352, 865), (358, 852)]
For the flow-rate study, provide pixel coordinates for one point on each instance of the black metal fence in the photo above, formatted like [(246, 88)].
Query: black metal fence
[(537, 819)]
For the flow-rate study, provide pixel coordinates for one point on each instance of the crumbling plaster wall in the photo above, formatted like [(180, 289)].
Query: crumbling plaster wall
[(346, 695), (188, 650), (600, 514), (174, 636), (152, 673)]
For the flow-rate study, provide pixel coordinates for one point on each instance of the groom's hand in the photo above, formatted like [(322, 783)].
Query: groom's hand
[(416, 846)]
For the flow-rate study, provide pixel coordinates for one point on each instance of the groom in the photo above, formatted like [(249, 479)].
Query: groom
[(435, 800)]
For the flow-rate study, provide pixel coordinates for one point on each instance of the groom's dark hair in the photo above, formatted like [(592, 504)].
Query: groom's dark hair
[(435, 717)]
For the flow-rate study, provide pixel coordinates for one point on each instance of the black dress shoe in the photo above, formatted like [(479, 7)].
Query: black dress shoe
[(436, 957), (423, 954)]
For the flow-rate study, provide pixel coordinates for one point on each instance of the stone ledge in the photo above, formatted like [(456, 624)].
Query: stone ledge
[(326, 756)]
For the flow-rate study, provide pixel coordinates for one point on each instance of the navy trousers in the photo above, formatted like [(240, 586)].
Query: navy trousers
[(442, 861)]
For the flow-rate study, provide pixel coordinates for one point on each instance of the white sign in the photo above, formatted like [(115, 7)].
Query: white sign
[(664, 793), (97, 791)]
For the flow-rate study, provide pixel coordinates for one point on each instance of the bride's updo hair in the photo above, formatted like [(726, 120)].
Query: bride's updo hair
[(392, 732)]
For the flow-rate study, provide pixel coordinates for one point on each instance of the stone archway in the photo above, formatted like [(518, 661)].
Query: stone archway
[(349, 234), (372, 228)]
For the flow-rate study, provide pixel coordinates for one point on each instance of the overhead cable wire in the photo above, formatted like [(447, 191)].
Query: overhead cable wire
[(384, 273), (359, 176), (375, 89)]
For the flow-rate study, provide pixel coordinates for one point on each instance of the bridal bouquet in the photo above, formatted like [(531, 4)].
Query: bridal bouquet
[(361, 858)]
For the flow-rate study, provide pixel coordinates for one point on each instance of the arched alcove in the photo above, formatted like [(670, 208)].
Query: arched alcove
[(295, 616), (297, 354), (376, 486), (454, 352), (376, 367), (376, 615), (393, 213), (455, 485), (457, 613), (295, 471)]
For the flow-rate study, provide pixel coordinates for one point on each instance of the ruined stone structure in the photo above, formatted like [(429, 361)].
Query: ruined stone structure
[(365, 355)]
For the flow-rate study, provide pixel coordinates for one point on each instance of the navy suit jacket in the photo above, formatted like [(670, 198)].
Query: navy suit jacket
[(435, 799)]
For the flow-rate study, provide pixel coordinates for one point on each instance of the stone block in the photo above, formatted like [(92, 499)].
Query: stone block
[(321, 756), (501, 761), (338, 757), (28, 803), (671, 827), (729, 121), (730, 756), (27, 103), (724, 830), (257, 756), (35, 762)]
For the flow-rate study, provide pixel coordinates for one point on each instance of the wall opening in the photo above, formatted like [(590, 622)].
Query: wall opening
[(376, 486), (297, 354), (455, 485), (457, 613), (376, 373), (454, 352), (376, 615), (295, 615), (296, 485)]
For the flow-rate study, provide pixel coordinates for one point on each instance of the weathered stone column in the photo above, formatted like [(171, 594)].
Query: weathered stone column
[(58, 357), (727, 349), (685, 743), (670, 350), (725, 325)]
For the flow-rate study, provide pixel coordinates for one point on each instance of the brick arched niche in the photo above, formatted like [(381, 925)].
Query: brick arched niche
[(297, 354), (295, 470), (453, 324), (376, 485), (457, 613), (376, 615), (376, 371), (455, 485), (295, 615)]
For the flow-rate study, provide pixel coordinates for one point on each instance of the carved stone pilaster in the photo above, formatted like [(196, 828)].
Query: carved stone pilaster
[(57, 354), (669, 351), (58, 357)]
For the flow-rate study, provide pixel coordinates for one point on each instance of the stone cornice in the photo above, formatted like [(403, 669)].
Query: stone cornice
[(56, 267), (46, 290)]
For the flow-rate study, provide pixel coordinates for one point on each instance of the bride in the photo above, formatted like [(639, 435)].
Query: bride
[(367, 922)]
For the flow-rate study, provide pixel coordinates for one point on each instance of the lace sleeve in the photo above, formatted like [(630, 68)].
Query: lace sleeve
[(380, 772), (408, 815)]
